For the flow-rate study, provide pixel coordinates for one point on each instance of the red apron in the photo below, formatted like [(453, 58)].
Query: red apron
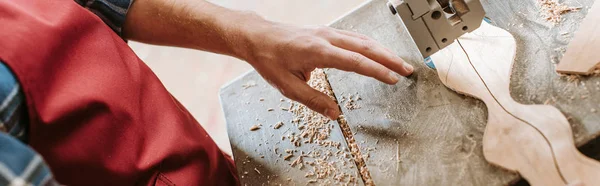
[(98, 115)]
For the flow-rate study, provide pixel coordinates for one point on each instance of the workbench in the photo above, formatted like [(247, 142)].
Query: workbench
[(417, 132)]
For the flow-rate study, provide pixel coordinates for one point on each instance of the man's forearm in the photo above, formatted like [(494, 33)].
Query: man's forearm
[(284, 55), (191, 24)]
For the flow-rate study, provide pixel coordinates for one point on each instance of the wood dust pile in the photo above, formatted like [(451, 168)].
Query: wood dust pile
[(326, 164), (350, 102), (552, 10)]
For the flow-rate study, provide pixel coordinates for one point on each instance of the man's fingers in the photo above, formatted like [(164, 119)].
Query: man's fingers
[(355, 62), (352, 34), (313, 99), (360, 36), (576, 183), (372, 50)]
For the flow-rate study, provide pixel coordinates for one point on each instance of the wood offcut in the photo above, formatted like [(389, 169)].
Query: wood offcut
[(582, 56)]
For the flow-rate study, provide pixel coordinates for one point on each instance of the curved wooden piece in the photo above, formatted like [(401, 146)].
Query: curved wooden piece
[(534, 140)]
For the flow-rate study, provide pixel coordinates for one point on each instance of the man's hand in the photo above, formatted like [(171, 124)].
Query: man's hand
[(285, 55)]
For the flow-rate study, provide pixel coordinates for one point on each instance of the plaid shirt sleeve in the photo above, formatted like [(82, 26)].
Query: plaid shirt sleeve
[(112, 12), (19, 164)]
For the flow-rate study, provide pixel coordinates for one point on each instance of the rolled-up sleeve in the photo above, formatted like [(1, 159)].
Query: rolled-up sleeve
[(112, 12)]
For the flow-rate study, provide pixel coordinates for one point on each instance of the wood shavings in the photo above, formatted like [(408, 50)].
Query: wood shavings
[(255, 127), (278, 125), (550, 101), (315, 127), (249, 84), (572, 78), (314, 130), (309, 174), (552, 10), (355, 151), (350, 101), (287, 158), (255, 169), (297, 161)]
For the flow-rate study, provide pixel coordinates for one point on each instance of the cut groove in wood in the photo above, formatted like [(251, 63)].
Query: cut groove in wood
[(582, 56), (358, 159), (496, 100), (534, 140)]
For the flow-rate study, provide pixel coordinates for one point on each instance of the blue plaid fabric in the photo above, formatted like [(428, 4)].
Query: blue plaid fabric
[(19, 164)]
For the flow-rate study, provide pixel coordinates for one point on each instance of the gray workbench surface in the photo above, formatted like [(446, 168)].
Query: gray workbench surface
[(420, 132), (247, 102)]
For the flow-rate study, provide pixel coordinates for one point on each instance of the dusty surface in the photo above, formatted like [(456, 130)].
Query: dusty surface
[(552, 10), (418, 132), (294, 145), (425, 134)]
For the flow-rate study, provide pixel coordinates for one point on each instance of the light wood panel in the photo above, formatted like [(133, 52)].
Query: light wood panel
[(582, 56), (534, 140)]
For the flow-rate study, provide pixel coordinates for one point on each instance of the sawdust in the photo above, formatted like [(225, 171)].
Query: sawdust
[(552, 10), (249, 84), (354, 149), (572, 78), (596, 72), (288, 157), (254, 127), (257, 171), (350, 101), (315, 129), (278, 125)]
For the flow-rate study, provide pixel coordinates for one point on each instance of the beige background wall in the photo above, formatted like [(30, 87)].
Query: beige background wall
[(194, 77)]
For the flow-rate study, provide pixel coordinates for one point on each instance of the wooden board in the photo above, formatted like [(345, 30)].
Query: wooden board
[(582, 56), (432, 135), (534, 140)]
